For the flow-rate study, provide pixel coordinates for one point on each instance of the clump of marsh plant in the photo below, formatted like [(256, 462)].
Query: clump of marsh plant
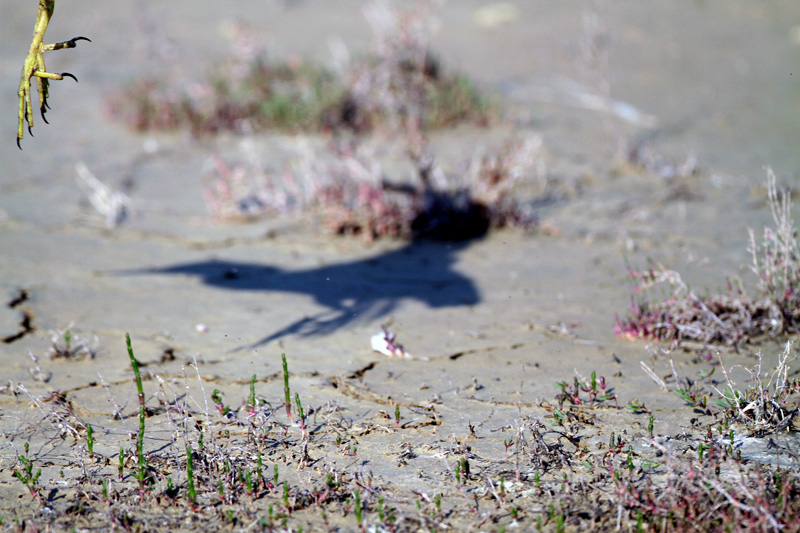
[(776, 260), (713, 489), (247, 91), (682, 315), (244, 91), (585, 392), (26, 476), (763, 406), (345, 185), (66, 345), (726, 319), (402, 85)]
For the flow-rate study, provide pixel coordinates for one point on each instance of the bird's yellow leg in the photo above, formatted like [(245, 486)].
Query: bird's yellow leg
[(34, 67), (31, 65)]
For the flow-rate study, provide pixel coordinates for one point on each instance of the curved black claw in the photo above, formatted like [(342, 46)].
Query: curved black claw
[(43, 110), (18, 144), (79, 39), (30, 131), (69, 75)]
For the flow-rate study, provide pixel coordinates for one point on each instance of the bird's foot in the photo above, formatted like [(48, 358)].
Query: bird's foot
[(34, 68)]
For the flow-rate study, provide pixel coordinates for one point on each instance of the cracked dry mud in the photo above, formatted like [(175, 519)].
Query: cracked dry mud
[(501, 320)]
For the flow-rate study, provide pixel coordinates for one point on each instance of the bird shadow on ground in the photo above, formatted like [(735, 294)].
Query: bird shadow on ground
[(363, 290)]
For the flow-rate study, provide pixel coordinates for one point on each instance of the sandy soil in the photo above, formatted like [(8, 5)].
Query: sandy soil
[(501, 320)]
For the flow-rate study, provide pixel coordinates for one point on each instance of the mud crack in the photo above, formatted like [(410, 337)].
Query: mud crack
[(25, 323)]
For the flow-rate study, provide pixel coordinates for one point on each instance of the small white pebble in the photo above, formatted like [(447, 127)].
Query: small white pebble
[(150, 146), (496, 14), (201, 328)]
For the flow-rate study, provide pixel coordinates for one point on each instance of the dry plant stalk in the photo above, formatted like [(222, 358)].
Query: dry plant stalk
[(776, 261)]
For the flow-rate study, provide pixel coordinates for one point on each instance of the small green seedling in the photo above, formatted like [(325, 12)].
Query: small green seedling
[(142, 475), (690, 396), (251, 400), (90, 440), (381, 515), (286, 390), (300, 411), (26, 475), (358, 510), (216, 397), (190, 475)]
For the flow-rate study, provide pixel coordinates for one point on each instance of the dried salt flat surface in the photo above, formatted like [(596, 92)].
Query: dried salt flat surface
[(493, 324)]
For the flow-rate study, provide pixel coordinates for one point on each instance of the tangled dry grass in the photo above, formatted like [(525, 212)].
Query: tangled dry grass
[(764, 406)]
